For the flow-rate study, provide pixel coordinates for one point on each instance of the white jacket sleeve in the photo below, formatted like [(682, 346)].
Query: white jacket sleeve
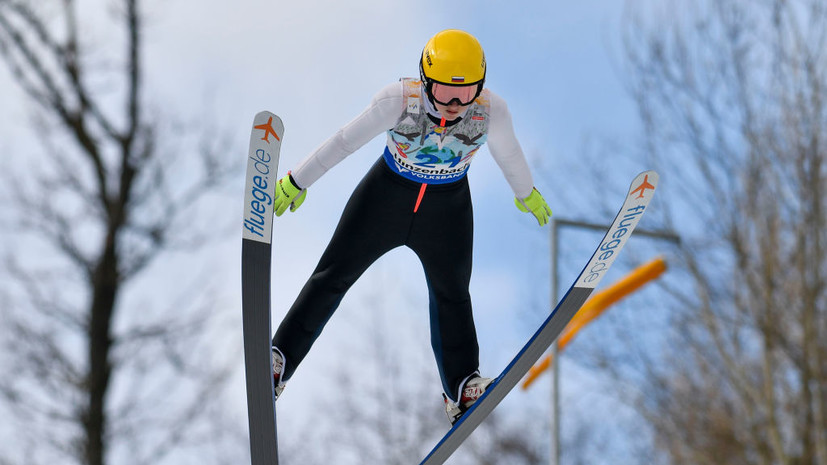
[(381, 115), (506, 149)]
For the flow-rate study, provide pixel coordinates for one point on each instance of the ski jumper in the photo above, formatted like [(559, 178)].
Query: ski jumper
[(415, 195)]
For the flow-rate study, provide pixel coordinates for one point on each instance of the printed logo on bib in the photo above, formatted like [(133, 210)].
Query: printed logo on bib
[(414, 105)]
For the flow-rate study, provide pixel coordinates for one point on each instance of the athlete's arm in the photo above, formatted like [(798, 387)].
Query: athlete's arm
[(381, 115), (506, 149)]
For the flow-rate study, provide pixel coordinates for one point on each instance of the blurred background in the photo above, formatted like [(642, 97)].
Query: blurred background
[(124, 127)]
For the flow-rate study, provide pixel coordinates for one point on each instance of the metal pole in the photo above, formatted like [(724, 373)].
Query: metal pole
[(555, 376), (666, 235), (555, 366)]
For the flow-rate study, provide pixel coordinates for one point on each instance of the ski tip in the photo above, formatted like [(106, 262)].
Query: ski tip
[(264, 114), (262, 166), (268, 130), (266, 118), (644, 184)]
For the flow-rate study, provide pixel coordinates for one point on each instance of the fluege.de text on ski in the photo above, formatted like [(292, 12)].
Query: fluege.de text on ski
[(613, 239), (260, 201)]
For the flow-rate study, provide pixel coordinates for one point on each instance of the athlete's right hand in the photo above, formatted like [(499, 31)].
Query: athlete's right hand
[(536, 205), (288, 194)]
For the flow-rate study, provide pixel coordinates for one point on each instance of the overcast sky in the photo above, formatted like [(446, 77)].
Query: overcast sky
[(317, 63)]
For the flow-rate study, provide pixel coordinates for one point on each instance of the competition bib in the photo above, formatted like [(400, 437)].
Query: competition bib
[(425, 152)]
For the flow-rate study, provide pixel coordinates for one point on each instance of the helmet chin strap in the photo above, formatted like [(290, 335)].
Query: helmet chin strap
[(425, 90)]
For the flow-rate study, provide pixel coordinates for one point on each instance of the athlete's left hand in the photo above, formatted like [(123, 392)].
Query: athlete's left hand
[(288, 194), (536, 205)]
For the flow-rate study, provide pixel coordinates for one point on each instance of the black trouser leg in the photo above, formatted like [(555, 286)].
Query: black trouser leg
[(368, 228), (442, 237), (379, 217)]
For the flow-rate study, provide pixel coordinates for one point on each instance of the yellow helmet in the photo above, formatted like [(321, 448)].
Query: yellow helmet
[(452, 57)]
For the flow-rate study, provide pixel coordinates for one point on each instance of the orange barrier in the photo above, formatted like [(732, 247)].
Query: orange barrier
[(596, 305)]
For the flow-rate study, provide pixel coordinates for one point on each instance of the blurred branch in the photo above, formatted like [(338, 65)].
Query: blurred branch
[(109, 195), (730, 92)]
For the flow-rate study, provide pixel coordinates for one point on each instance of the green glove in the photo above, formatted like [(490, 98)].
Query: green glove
[(536, 205), (288, 194)]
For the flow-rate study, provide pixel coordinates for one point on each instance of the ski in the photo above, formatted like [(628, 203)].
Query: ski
[(637, 199), (257, 229)]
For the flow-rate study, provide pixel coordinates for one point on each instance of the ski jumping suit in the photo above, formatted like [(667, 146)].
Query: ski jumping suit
[(415, 195)]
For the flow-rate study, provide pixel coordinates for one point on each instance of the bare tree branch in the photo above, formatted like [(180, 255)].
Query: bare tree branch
[(106, 203), (731, 95)]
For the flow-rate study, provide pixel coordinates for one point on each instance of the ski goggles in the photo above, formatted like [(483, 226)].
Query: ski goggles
[(446, 94)]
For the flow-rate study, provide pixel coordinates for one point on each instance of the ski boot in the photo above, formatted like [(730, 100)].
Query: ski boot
[(472, 389), (278, 369)]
